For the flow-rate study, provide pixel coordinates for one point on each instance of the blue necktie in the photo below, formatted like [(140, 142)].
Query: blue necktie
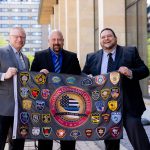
[(57, 65), (110, 66)]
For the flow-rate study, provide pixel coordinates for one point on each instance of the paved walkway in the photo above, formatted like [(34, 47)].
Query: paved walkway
[(89, 145)]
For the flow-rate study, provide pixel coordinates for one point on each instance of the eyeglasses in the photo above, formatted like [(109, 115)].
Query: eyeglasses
[(16, 36)]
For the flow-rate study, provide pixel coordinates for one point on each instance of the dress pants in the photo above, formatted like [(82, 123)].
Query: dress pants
[(6, 122), (136, 134), (48, 145)]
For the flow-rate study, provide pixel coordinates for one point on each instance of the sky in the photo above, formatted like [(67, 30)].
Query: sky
[(148, 1)]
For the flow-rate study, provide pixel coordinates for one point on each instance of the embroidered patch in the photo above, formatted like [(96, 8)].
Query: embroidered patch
[(24, 77), (100, 79), (45, 93), (61, 133), (24, 117), (116, 117), (26, 104), (46, 131), (35, 92), (114, 77), (101, 131), (95, 118), (105, 93), (88, 132), (36, 131), (113, 105), (100, 106), (75, 134), (40, 79)]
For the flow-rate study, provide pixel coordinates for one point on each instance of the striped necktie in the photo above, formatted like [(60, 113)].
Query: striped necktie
[(57, 65), (20, 61), (110, 66)]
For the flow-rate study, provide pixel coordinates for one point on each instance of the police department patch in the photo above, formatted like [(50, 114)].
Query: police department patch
[(26, 104), (100, 79), (40, 78), (66, 105), (101, 131), (36, 131), (113, 105), (75, 133), (114, 77), (24, 117), (116, 117), (24, 92), (24, 77)]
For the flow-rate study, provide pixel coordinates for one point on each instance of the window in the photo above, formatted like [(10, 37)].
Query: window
[(4, 9), (36, 26), (5, 33), (25, 10), (34, 17), (25, 18), (34, 10), (36, 42), (4, 17), (16, 17), (25, 25), (36, 33), (4, 26), (15, 10)]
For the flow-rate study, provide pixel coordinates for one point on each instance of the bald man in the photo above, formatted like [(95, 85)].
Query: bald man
[(45, 61)]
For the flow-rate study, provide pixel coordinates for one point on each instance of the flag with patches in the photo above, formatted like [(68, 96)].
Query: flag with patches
[(67, 107)]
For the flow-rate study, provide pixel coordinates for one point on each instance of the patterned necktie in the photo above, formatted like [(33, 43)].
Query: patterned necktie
[(110, 66), (20, 61), (57, 65)]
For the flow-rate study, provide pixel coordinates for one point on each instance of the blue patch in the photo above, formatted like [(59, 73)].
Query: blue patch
[(24, 117), (116, 117), (100, 106)]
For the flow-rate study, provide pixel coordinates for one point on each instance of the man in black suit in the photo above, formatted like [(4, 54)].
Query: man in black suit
[(128, 62), (56, 59)]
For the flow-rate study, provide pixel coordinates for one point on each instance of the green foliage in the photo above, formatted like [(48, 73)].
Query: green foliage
[(3, 42), (30, 57)]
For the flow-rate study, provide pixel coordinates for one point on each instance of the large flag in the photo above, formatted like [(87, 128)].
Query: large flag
[(67, 107)]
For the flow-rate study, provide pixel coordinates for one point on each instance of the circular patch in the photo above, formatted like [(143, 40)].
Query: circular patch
[(70, 106)]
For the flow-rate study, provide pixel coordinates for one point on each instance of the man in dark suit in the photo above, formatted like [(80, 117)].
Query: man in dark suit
[(56, 59), (128, 62), (10, 63)]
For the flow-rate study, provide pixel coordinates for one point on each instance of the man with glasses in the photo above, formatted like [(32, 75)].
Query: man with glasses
[(11, 61)]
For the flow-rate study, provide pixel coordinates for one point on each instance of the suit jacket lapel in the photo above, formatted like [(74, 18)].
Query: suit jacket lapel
[(48, 58), (64, 63), (118, 57), (12, 57), (99, 62)]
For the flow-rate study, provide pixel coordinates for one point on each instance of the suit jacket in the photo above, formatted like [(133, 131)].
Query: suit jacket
[(8, 59), (43, 60), (125, 56)]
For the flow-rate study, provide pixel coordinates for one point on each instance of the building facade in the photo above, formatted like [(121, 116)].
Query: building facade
[(23, 13), (82, 20)]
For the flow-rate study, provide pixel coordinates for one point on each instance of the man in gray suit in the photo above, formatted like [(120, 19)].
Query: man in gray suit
[(11, 60)]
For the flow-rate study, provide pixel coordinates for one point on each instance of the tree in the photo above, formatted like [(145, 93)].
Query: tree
[(3, 42)]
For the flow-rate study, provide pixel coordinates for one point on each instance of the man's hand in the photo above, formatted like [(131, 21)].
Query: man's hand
[(10, 72), (125, 71), (45, 71)]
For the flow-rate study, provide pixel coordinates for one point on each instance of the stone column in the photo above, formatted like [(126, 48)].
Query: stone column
[(85, 29), (112, 15)]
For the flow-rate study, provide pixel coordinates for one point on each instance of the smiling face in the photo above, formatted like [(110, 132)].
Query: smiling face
[(56, 41), (108, 40), (17, 38)]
